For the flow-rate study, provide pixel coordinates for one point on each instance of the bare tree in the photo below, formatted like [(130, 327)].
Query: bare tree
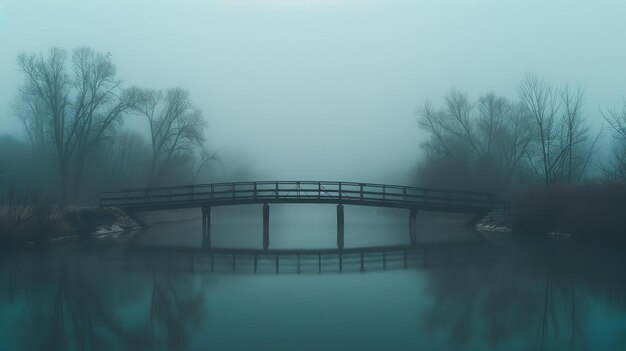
[(451, 128), (176, 126), (492, 131), (48, 80), (205, 158), (32, 112), (575, 133), (560, 150), (541, 103), (503, 131), (492, 114), (83, 103), (126, 153), (616, 168), (98, 107), (617, 122)]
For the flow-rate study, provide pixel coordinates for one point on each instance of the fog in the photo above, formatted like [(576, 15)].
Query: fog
[(496, 131), (322, 89)]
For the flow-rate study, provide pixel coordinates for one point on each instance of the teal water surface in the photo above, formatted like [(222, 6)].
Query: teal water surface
[(533, 295)]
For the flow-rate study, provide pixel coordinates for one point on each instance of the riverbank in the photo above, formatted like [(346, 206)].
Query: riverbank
[(65, 223), (586, 212)]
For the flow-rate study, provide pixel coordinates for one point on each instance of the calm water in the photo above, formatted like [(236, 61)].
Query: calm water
[(532, 295)]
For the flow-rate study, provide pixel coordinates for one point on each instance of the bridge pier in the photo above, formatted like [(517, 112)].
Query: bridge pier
[(206, 227), (340, 226), (266, 226), (413, 226)]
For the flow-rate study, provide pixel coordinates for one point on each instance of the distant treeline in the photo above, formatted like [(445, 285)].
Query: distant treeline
[(499, 144), (71, 106), (536, 150)]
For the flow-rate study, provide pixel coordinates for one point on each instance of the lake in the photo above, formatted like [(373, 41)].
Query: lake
[(507, 293)]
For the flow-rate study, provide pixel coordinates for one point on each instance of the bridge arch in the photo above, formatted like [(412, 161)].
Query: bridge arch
[(205, 196)]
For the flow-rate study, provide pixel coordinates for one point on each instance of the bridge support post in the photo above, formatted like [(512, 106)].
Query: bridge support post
[(266, 226), (340, 226), (206, 227), (413, 226)]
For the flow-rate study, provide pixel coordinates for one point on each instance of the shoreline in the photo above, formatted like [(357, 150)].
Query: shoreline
[(63, 224)]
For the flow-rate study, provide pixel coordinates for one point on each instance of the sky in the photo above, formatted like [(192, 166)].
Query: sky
[(326, 89)]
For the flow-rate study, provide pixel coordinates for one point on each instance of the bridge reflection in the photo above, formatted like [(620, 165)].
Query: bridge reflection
[(297, 261)]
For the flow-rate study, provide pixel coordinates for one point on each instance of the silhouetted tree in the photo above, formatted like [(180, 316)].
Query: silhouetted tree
[(176, 126), (488, 143), (99, 105), (32, 112), (560, 151), (489, 137), (82, 102), (126, 155), (48, 80), (204, 159), (616, 119)]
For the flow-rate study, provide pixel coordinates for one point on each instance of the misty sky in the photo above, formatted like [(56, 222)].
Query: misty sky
[(326, 89)]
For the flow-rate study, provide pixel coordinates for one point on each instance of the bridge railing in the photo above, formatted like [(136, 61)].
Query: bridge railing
[(348, 192)]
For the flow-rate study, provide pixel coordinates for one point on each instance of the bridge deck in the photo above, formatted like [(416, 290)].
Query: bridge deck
[(347, 193)]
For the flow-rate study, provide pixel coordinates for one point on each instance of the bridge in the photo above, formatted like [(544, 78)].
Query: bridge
[(205, 196)]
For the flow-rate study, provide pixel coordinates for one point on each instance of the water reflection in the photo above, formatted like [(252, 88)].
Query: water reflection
[(75, 298), (541, 294), (550, 295)]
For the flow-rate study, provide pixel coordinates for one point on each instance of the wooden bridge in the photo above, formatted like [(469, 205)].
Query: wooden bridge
[(205, 196)]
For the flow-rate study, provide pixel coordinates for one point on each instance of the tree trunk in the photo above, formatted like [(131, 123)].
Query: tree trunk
[(152, 176), (78, 177), (63, 171)]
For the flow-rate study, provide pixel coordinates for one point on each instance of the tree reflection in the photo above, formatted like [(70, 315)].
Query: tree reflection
[(84, 301), (537, 294)]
